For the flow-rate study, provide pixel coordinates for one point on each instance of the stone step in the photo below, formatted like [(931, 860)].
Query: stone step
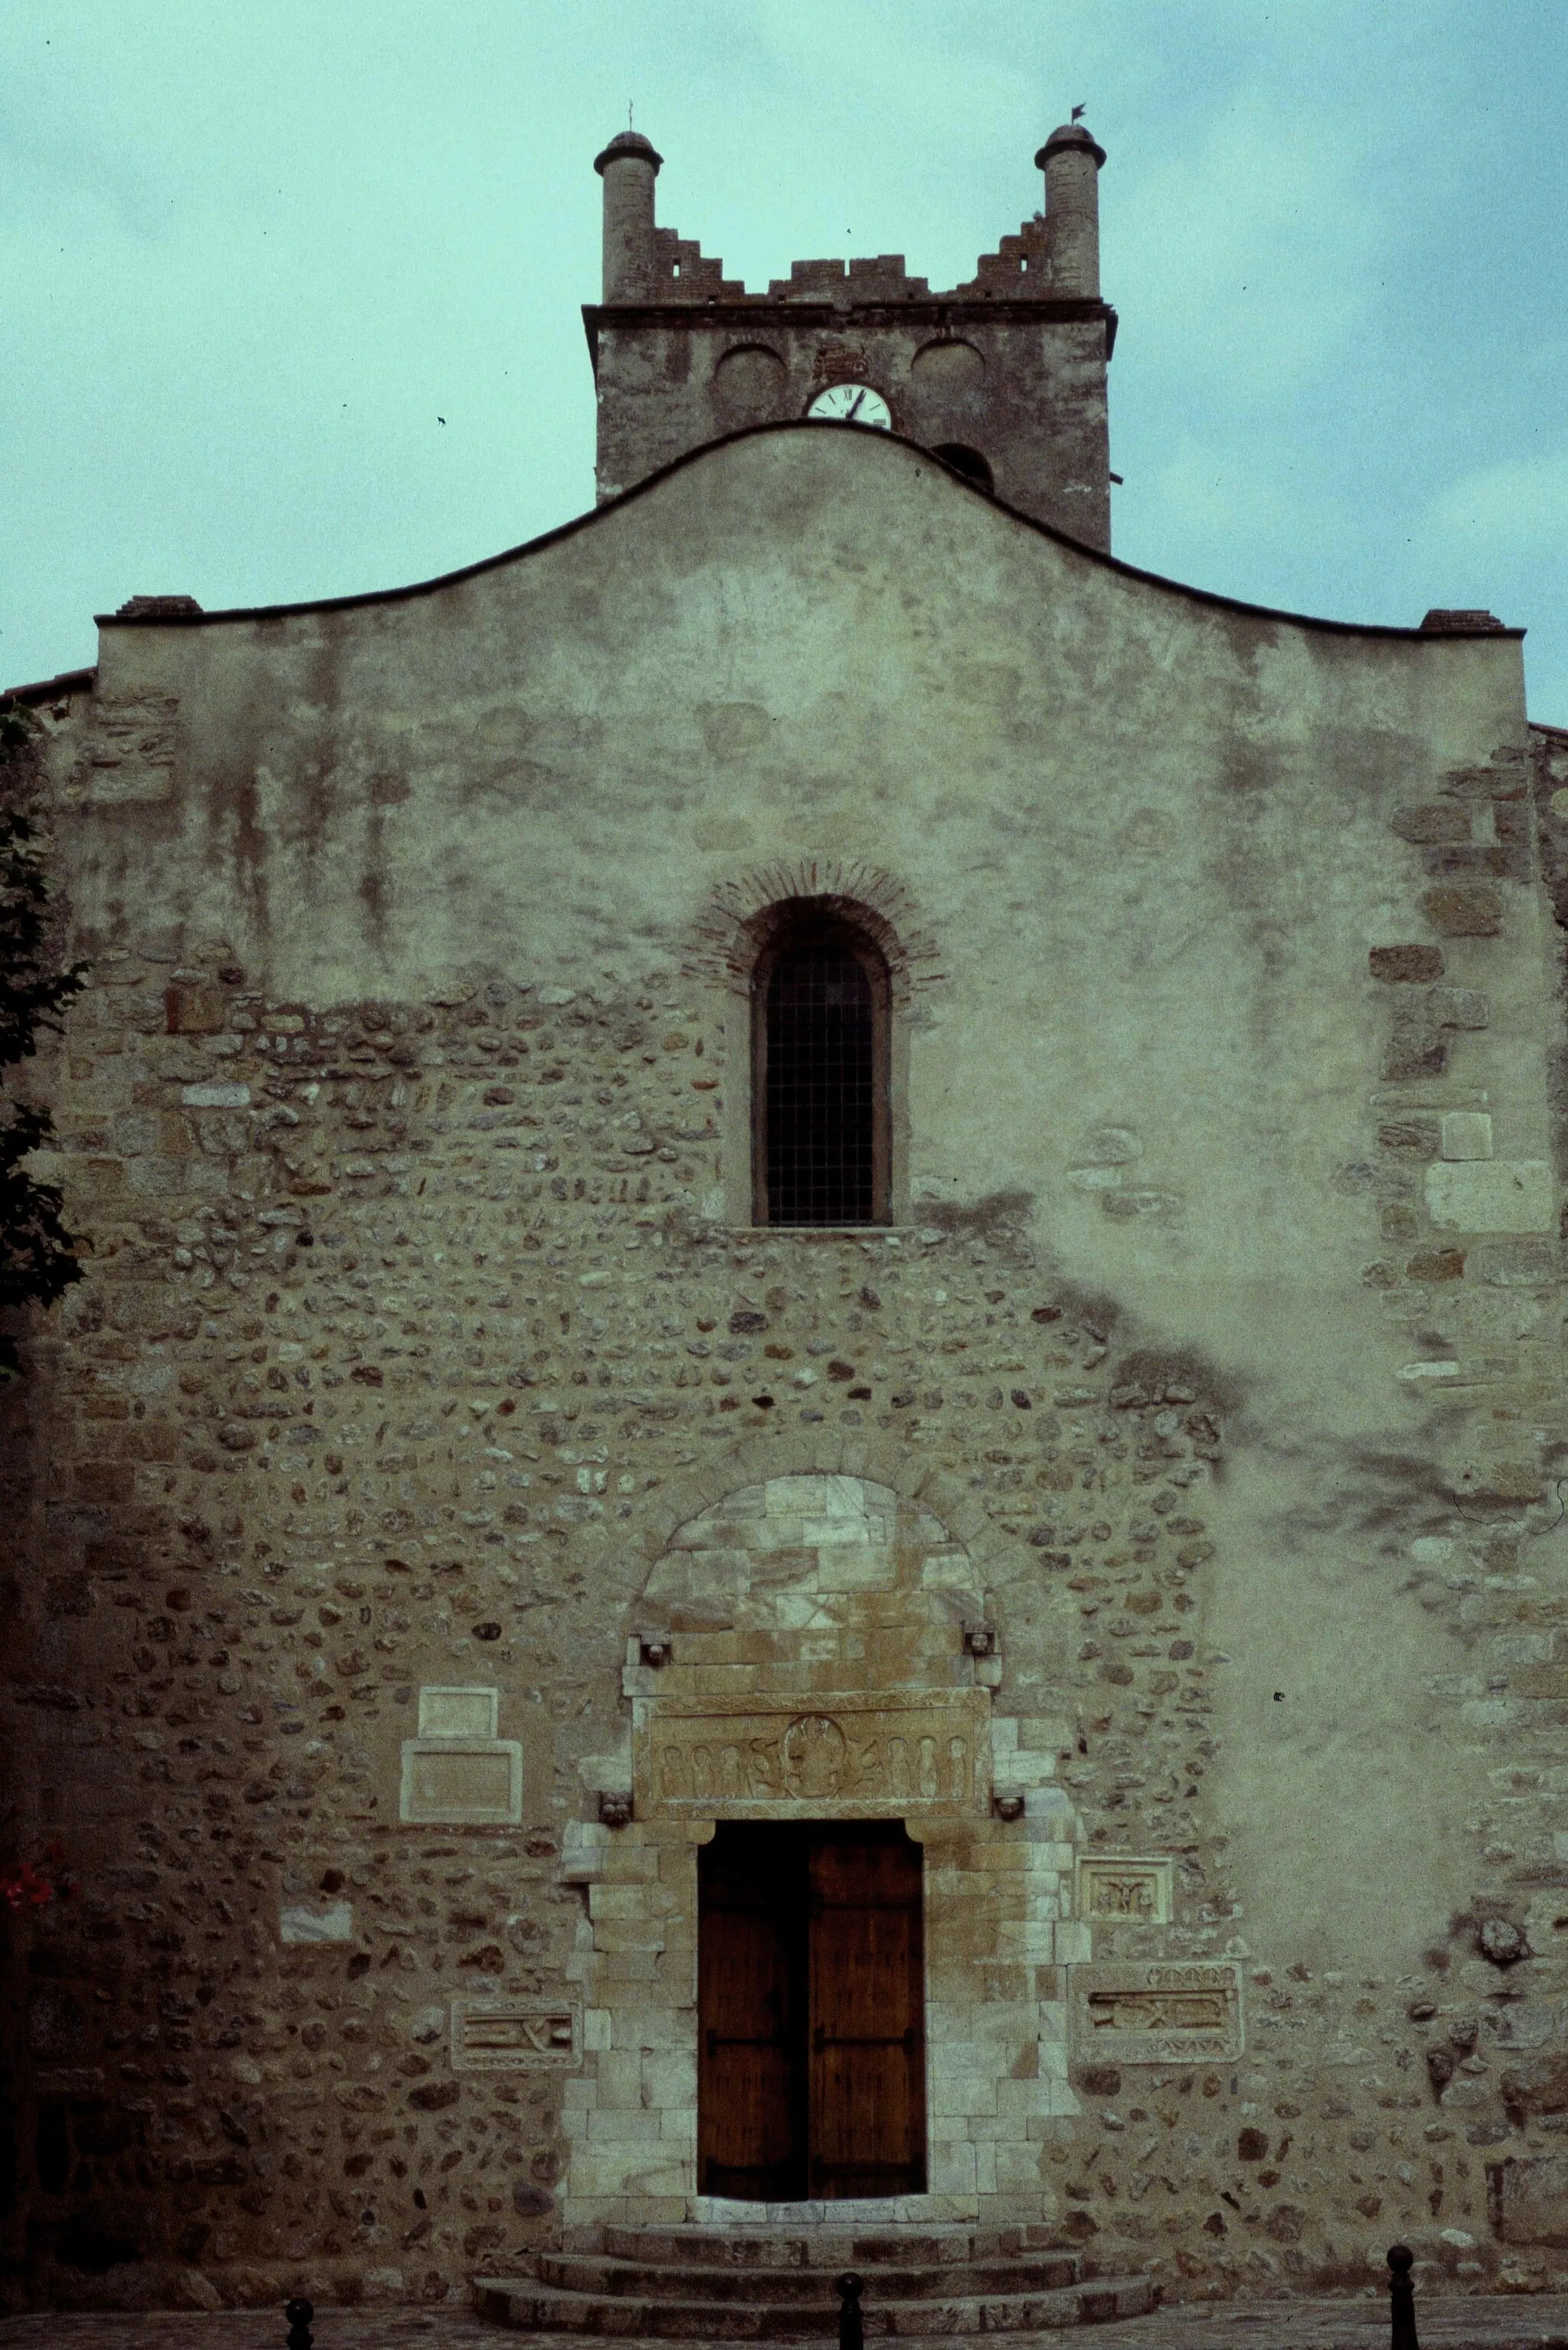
[(827, 2244), (601, 2272), (535, 2308)]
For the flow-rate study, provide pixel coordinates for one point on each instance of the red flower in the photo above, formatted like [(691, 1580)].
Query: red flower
[(28, 1887)]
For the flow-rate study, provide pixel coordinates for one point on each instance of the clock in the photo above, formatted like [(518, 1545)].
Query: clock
[(852, 403)]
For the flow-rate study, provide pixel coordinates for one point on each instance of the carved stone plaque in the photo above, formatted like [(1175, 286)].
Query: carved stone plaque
[(462, 1783), (459, 1712), (1114, 1888), (830, 1756), (457, 1772), (1158, 2014), (508, 2035)]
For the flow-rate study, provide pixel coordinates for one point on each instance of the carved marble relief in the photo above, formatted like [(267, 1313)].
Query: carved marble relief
[(495, 2034), (1156, 2015), (847, 1754), (1115, 1888)]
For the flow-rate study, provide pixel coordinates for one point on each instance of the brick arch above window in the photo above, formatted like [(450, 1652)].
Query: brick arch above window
[(743, 916)]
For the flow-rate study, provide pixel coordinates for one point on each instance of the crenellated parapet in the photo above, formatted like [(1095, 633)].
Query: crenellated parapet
[(881, 277), (682, 271), (1021, 268), (1002, 375)]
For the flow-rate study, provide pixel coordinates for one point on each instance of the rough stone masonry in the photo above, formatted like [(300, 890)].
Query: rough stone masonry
[(441, 1503)]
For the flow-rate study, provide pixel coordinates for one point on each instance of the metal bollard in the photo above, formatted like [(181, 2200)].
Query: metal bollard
[(1401, 2298), (851, 2327), (299, 2315)]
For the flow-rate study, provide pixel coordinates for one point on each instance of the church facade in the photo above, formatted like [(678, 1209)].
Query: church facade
[(811, 1460)]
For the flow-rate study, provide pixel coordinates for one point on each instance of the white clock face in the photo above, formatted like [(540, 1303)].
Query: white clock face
[(852, 403)]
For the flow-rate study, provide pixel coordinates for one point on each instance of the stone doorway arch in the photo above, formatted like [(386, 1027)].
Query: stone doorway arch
[(814, 1646), (818, 1636)]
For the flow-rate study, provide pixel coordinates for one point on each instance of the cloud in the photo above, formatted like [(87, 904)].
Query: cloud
[(1247, 251), (1210, 496), (1517, 508), (1239, 518)]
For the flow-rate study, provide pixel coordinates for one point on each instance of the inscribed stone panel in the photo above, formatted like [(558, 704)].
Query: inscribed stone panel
[(462, 1783), (1156, 2015), (459, 1712)]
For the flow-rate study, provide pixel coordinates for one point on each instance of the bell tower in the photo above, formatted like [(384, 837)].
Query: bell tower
[(1003, 377)]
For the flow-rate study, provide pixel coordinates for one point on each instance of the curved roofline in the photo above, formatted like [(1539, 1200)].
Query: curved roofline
[(374, 595)]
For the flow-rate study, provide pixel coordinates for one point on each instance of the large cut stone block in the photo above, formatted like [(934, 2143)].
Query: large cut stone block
[(1491, 1195), (330, 1922)]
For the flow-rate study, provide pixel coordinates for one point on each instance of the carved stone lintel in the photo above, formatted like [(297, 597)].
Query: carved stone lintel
[(831, 1756)]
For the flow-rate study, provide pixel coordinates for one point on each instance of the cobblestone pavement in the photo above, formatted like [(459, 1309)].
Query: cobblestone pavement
[(1512, 2321)]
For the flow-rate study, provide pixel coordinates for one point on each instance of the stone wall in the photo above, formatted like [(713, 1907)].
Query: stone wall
[(1022, 383), (416, 1411), (362, 1398), (425, 1362)]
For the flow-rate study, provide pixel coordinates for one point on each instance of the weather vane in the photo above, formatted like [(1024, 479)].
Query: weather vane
[(1077, 113)]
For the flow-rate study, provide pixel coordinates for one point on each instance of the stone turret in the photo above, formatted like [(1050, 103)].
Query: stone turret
[(628, 167), (1071, 161)]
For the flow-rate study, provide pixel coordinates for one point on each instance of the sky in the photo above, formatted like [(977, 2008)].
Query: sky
[(293, 288)]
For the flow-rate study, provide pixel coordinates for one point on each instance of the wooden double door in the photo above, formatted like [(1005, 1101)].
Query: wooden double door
[(811, 2077)]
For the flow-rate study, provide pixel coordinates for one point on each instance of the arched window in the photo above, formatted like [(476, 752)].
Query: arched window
[(819, 1014), (967, 462)]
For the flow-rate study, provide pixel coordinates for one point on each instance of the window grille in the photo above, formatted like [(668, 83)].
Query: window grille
[(822, 1047)]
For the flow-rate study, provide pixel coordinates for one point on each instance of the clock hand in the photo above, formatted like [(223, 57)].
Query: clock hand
[(855, 408)]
